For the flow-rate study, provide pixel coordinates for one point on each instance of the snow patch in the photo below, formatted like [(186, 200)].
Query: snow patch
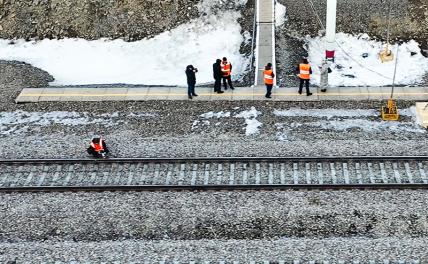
[(216, 115), (346, 119), (370, 71), (280, 12), (367, 125), (327, 113), (330, 112), (157, 61), (21, 121), (253, 125)]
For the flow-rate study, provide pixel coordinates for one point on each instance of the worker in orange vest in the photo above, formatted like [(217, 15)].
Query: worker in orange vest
[(98, 148), (305, 71), (226, 71), (269, 77)]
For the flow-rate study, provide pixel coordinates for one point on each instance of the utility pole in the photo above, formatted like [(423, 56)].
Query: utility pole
[(330, 44)]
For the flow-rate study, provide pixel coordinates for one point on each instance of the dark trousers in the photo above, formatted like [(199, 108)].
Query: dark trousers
[(269, 90), (217, 85), (306, 82), (190, 89), (229, 81)]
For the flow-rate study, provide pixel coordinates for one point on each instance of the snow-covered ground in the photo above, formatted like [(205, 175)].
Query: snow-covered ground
[(284, 121), (157, 61), (280, 14), (339, 120), (19, 122), (351, 68)]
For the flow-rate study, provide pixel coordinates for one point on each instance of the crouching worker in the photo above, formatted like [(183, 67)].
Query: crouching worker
[(98, 148)]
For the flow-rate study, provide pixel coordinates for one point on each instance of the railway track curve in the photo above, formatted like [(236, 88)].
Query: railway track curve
[(202, 174)]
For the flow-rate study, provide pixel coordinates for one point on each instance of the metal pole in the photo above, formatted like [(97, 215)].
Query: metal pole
[(395, 71), (253, 40), (388, 26)]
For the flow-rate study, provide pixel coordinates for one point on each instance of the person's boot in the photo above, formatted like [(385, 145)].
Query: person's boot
[(308, 94), (190, 97), (323, 90), (220, 92), (194, 95)]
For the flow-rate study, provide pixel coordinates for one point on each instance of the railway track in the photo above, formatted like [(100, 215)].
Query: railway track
[(258, 173)]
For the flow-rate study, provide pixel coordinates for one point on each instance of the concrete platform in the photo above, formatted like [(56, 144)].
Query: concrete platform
[(34, 95)]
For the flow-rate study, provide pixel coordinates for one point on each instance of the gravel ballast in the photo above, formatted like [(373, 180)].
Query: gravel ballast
[(184, 225), (170, 129), (200, 251)]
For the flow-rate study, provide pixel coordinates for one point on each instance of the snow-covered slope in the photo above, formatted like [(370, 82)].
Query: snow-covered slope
[(352, 69), (157, 61)]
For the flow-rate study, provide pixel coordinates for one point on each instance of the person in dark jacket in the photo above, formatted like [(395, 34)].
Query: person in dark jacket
[(217, 76), (191, 80)]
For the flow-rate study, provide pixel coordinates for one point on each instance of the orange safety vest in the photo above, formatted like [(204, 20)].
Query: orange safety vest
[(305, 71), (97, 147), (268, 76), (225, 69)]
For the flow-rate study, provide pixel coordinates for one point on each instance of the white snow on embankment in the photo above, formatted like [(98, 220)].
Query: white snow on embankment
[(157, 61), (280, 12), (369, 71), (343, 119)]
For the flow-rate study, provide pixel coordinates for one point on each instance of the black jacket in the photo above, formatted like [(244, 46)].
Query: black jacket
[(217, 70), (190, 73)]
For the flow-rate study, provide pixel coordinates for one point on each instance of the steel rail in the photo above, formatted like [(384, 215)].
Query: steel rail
[(203, 188), (214, 159)]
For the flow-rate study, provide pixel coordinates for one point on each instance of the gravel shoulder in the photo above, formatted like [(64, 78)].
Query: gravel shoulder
[(287, 249), (184, 225), (168, 129)]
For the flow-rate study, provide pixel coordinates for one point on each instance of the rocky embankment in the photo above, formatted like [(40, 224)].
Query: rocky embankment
[(87, 19), (409, 18)]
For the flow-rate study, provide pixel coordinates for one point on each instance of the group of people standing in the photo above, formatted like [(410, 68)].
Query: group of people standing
[(222, 70), (304, 72)]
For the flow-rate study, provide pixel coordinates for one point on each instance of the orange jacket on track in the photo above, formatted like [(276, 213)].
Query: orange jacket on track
[(97, 146)]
